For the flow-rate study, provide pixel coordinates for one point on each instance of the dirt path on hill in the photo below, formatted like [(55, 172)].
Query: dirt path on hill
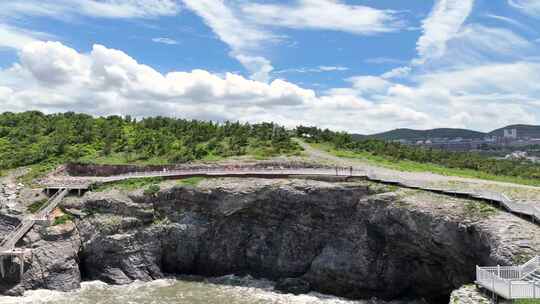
[(516, 191)]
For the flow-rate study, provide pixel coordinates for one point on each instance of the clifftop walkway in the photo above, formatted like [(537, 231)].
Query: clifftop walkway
[(66, 183), (528, 211)]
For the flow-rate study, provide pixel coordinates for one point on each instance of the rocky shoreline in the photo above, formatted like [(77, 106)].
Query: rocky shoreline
[(355, 240)]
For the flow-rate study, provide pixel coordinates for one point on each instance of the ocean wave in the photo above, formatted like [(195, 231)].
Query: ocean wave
[(190, 290)]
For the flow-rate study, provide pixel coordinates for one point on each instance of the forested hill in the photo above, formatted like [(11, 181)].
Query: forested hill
[(394, 152), (522, 131), (410, 134), (33, 137)]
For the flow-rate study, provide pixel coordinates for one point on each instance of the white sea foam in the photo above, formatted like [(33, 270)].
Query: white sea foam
[(227, 289)]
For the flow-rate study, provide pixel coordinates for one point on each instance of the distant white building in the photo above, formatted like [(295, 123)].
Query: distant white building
[(510, 133), (517, 155)]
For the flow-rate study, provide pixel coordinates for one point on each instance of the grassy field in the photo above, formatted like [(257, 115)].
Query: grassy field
[(140, 183), (123, 159), (411, 166), (529, 301), (36, 171), (128, 184)]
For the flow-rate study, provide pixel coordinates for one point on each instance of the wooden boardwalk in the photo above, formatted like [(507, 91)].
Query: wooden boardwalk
[(7, 245), (525, 210)]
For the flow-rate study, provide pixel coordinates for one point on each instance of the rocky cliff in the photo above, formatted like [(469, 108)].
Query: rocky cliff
[(349, 239)]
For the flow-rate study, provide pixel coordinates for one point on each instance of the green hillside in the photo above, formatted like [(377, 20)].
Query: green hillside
[(385, 151), (522, 131), (410, 134), (35, 138)]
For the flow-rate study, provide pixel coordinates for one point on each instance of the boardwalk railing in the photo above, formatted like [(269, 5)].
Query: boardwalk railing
[(509, 281), (9, 242), (530, 211)]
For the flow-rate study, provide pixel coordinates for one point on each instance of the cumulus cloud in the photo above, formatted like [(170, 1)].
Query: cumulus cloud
[(259, 67), (107, 81), (324, 14), (370, 84)]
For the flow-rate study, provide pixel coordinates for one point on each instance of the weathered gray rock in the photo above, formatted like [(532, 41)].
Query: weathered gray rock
[(343, 239), (53, 264), (469, 294)]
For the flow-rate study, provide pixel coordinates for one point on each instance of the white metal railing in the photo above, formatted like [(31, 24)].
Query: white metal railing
[(508, 281), (530, 267), (84, 182), (239, 171), (53, 202)]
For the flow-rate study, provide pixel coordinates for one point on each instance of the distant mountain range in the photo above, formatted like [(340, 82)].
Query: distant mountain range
[(410, 134)]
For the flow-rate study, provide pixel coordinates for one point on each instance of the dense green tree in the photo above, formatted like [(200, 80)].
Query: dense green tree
[(33, 137)]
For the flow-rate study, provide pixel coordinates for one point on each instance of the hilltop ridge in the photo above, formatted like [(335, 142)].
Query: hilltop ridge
[(532, 131)]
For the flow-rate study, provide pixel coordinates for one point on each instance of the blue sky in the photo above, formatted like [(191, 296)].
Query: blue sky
[(361, 66)]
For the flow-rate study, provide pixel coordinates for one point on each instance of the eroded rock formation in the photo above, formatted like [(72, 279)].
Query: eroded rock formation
[(348, 239)]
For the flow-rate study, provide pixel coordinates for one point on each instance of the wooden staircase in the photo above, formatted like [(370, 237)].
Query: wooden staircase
[(7, 245)]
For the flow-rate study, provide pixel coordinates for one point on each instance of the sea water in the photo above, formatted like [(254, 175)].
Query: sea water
[(223, 290)]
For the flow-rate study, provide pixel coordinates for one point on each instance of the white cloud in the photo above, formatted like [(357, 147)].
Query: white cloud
[(384, 60), (62, 66), (165, 40), (478, 44), (325, 68), (528, 7), (16, 10), (16, 38), (95, 8), (107, 81), (324, 14), (244, 38), (319, 69), (443, 23), (259, 67), (518, 77), (245, 27), (398, 72), (508, 21), (226, 23), (366, 85)]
